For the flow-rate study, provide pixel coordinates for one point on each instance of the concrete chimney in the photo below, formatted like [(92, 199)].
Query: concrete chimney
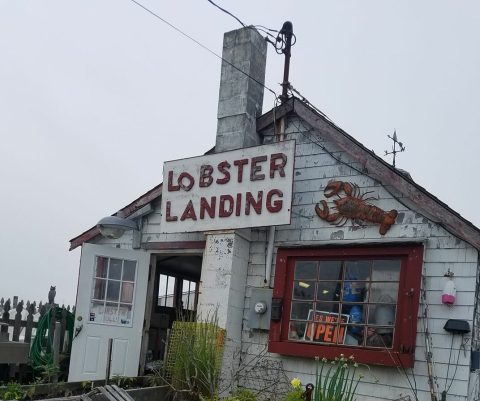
[(240, 98)]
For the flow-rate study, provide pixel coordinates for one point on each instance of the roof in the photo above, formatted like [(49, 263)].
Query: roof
[(405, 189)]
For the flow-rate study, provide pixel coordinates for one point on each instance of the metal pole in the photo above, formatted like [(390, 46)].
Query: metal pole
[(109, 360), (287, 31)]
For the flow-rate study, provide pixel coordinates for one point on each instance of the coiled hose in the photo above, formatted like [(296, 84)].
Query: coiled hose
[(41, 350)]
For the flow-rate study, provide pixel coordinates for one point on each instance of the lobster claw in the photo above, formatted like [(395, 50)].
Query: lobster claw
[(334, 188), (323, 211)]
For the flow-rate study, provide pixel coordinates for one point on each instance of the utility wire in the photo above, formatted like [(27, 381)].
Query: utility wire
[(202, 45), (226, 12)]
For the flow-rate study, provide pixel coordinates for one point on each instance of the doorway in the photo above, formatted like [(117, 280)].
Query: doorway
[(175, 295)]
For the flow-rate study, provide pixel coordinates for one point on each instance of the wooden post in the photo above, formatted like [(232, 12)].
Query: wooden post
[(56, 348), (6, 317), (17, 327), (109, 360), (29, 324)]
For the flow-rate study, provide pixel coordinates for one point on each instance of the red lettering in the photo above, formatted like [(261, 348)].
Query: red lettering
[(222, 212), (274, 166), (328, 333), (256, 204), (276, 205), (172, 187), (238, 205), (206, 178), (223, 168), (189, 212), (190, 179), (240, 164), (209, 208), (254, 170), (168, 208)]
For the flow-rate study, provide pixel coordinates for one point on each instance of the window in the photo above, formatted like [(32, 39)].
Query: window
[(113, 290), (177, 292), (356, 301)]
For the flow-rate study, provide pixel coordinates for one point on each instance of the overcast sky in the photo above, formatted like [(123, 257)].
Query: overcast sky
[(96, 94)]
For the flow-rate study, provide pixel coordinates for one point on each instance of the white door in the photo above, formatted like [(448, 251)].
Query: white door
[(111, 296)]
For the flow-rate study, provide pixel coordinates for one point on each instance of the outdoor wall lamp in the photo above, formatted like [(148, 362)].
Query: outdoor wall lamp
[(114, 227)]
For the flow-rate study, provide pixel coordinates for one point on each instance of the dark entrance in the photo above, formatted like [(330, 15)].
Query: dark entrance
[(175, 297)]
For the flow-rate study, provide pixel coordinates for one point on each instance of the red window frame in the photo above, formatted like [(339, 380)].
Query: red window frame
[(403, 349)]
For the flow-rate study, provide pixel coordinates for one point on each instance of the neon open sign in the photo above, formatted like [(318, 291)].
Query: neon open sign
[(249, 187)]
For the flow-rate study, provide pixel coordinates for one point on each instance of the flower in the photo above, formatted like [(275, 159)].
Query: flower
[(355, 365), (345, 366), (296, 383), (351, 357), (324, 359)]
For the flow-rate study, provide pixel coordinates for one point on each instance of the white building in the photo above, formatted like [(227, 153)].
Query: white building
[(367, 281)]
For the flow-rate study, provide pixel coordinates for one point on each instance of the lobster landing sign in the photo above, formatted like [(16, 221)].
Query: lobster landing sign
[(248, 187)]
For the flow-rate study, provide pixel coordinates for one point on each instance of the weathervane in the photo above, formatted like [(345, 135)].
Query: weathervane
[(394, 147)]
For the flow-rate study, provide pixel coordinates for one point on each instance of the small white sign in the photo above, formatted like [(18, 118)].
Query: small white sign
[(249, 187)]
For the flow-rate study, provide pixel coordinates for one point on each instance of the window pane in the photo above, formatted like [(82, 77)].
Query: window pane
[(305, 270), (382, 315), (115, 271), (386, 270), (99, 289), (354, 335), (384, 292), (113, 290), (354, 291), (111, 313), (297, 330), (101, 268), (303, 290), (300, 310), (129, 267), (125, 314), (97, 310), (330, 270), (328, 307), (379, 337), (328, 291), (357, 270), (127, 292)]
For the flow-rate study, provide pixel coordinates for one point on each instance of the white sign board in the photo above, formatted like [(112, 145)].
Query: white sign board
[(248, 187)]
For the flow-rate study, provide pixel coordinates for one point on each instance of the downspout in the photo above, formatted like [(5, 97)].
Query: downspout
[(271, 231)]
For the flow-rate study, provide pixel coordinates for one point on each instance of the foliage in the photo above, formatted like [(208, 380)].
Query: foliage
[(242, 394), (157, 376), (13, 392), (336, 380), (197, 352), (47, 372), (295, 394), (123, 381)]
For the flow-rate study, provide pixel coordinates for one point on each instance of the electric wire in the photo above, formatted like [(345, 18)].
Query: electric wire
[(227, 12), (201, 45), (462, 344)]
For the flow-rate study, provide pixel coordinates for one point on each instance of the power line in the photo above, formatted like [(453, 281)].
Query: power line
[(202, 45), (226, 12)]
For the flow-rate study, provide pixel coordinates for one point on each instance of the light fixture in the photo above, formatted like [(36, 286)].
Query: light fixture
[(114, 227)]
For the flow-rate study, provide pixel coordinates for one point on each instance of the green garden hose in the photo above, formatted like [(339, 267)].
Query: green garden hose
[(41, 351)]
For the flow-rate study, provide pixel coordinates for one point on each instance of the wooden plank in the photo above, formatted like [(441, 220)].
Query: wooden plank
[(107, 394), (174, 245), (122, 393)]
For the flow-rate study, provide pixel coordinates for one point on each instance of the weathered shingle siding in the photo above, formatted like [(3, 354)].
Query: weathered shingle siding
[(314, 167)]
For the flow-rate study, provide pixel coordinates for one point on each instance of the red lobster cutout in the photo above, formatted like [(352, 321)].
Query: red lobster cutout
[(354, 206)]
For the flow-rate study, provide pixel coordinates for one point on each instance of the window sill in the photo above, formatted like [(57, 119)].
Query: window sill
[(369, 356)]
